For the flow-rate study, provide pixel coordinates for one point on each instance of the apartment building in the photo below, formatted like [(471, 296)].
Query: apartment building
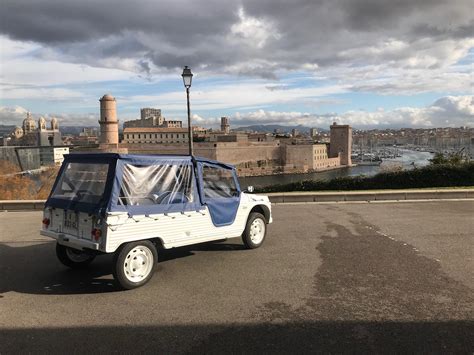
[(155, 135)]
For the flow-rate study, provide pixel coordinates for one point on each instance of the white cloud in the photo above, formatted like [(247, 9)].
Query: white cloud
[(22, 66), (254, 31), (246, 95), (13, 92), (12, 115), (448, 111), (15, 116), (452, 111)]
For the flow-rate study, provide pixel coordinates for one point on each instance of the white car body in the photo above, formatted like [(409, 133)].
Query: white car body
[(101, 201), (173, 229)]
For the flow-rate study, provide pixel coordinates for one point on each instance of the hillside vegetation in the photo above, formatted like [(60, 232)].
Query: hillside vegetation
[(434, 175)]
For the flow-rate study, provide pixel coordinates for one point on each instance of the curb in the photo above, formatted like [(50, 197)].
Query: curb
[(21, 205), (367, 196), (305, 197)]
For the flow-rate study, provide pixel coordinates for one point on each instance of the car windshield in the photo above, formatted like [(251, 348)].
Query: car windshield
[(82, 182)]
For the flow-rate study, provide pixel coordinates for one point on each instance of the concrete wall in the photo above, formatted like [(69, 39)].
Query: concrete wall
[(248, 152), (202, 150), (26, 158), (299, 157), (243, 155)]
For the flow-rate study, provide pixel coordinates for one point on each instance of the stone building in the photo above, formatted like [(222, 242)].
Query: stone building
[(225, 125), (31, 135), (172, 124), (232, 137), (151, 117), (148, 112), (108, 121), (250, 156), (341, 143), (155, 135), (306, 157)]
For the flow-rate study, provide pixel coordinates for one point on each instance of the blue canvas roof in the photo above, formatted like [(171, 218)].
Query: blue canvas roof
[(222, 210), (155, 158)]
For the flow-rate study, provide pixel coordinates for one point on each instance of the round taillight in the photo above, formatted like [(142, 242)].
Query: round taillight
[(96, 233), (46, 221)]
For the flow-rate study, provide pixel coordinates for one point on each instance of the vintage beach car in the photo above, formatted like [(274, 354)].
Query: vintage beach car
[(135, 205)]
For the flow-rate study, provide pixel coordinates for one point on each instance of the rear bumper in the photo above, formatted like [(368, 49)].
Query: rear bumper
[(71, 241)]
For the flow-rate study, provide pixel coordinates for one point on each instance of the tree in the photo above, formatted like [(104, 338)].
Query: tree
[(439, 159), (455, 158)]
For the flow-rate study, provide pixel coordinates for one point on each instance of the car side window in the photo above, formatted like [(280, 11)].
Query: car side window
[(156, 184), (218, 182)]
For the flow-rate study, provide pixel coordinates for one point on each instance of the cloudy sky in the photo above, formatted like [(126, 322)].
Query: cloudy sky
[(369, 63)]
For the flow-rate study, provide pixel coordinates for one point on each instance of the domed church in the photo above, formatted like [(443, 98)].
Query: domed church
[(32, 135)]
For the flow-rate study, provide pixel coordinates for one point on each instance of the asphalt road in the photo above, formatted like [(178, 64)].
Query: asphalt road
[(379, 277)]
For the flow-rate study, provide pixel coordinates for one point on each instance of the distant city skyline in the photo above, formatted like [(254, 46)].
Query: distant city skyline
[(370, 64)]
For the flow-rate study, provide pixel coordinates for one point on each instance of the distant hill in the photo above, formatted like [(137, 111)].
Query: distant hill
[(270, 128), (6, 129), (74, 130)]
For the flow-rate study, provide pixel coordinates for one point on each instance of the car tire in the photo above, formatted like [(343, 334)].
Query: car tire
[(73, 258), (255, 231), (134, 264)]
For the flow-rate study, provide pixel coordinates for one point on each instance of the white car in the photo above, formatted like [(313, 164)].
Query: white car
[(135, 205)]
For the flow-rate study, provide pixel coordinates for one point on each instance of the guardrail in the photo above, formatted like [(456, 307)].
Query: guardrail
[(379, 195), (21, 205), (291, 197)]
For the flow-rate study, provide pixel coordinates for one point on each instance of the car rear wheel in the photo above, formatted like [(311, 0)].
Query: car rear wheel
[(73, 258), (134, 264), (255, 231)]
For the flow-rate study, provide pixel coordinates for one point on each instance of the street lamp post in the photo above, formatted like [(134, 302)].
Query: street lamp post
[(187, 79)]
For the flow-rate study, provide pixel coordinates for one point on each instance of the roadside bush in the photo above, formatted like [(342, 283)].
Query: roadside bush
[(454, 158), (430, 176)]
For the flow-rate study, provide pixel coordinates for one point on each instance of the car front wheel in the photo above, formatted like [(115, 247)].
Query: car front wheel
[(255, 231), (134, 264), (73, 258)]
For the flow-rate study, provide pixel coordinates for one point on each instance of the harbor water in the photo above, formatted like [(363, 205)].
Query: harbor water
[(409, 159)]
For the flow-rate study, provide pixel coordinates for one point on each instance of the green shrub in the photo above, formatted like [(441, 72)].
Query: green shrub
[(438, 175)]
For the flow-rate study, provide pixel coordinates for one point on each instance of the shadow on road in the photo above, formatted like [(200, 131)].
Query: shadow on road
[(290, 337), (34, 269)]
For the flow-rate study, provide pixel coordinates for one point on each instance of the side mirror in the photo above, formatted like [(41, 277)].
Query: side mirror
[(250, 189)]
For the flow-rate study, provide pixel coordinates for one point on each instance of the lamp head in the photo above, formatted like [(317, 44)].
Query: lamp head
[(187, 77)]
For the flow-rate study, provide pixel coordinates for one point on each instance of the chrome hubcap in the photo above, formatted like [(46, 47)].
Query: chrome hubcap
[(77, 256), (257, 231), (138, 263)]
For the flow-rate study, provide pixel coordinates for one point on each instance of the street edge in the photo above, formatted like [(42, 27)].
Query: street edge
[(310, 197)]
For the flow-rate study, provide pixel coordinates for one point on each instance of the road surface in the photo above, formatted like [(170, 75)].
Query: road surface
[(378, 277)]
